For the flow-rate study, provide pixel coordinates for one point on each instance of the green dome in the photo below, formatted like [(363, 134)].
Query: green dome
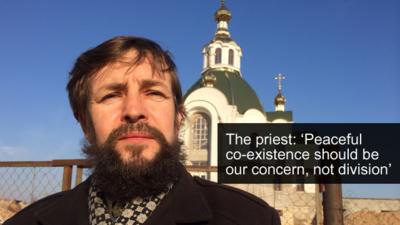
[(236, 90)]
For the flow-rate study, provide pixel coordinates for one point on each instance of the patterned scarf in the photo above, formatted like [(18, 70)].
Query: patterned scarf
[(135, 212)]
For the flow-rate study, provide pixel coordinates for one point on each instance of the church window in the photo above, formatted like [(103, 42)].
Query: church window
[(200, 130), (218, 55), (231, 57)]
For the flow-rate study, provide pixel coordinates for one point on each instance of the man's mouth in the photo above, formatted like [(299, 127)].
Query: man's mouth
[(136, 137)]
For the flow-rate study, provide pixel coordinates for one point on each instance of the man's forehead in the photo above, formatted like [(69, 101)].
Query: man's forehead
[(123, 67)]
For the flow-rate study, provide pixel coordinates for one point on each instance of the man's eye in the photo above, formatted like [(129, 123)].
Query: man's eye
[(109, 96), (156, 95), (159, 93)]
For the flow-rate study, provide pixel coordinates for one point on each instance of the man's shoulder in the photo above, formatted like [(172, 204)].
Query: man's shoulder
[(31, 213), (224, 191), (28, 214), (232, 202)]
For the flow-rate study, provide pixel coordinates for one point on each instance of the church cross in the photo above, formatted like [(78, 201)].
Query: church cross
[(280, 78)]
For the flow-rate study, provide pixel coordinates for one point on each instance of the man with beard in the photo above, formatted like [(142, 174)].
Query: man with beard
[(126, 95)]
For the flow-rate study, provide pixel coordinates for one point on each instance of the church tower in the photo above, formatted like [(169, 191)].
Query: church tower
[(220, 95), (222, 51)]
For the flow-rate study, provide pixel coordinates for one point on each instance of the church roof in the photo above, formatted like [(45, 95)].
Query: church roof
[(237, 91)]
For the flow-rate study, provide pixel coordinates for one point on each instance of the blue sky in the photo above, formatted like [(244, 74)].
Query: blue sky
[(341, 60)]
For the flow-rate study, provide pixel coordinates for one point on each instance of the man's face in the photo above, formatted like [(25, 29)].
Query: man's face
[(121, 94)]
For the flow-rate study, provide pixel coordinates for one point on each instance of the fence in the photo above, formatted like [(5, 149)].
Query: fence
[(297, 204), (31, 180)]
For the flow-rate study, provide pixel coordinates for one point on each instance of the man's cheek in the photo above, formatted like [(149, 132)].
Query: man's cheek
[(103, 132)]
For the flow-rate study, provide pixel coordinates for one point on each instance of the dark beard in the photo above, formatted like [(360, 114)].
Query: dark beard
[(121, 181)]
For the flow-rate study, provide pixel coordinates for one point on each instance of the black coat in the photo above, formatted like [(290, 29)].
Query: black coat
[(191, 201)]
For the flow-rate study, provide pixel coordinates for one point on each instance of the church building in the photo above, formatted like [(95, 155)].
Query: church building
[(222, 95)]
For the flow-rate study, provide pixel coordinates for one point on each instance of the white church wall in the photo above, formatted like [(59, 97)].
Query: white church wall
[(209, 55), (211, 99), (252, 116), (213, 103), (205, 57), (280, 121)]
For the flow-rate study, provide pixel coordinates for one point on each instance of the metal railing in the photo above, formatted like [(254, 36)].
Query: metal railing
[(32, 173), (28, 181), (24, 182), (67, 167)]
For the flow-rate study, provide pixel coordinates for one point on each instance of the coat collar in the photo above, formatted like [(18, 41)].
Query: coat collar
[(184, 204)]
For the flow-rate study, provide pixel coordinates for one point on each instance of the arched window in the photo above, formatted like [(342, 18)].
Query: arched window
[(200, 131), (218, 55), (231, 57)]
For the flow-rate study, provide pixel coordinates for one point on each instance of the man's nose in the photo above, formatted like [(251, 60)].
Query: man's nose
[(134, 109)]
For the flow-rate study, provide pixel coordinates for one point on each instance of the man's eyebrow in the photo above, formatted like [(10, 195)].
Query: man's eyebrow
[(115, 87), (151, 83)]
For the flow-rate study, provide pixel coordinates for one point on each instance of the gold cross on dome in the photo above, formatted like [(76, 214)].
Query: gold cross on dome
[(280, 78)]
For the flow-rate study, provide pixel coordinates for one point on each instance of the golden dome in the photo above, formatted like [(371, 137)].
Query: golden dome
[(223, 14), (280, 99), (208, 80)]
